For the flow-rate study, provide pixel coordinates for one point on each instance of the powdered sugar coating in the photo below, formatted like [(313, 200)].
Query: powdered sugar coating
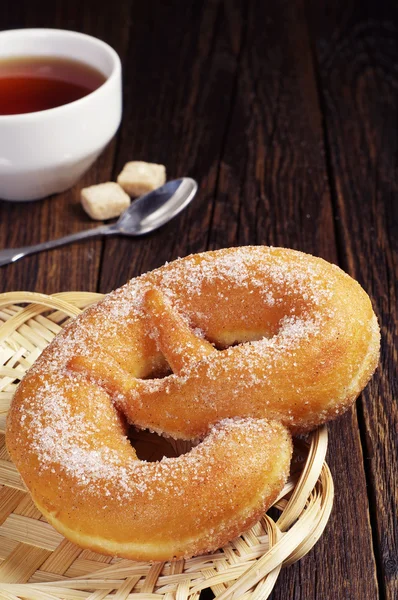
[(286, 299), (253, 270)]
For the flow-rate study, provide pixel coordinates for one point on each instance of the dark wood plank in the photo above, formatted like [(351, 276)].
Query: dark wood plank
[(77, 266), (273, 189), (273, 186), (357, 55), (177, 99)]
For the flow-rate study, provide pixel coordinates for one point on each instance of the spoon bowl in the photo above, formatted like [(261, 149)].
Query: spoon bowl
[(156, 208)]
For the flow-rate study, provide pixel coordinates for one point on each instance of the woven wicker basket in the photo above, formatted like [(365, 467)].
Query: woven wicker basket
[(37, 563)]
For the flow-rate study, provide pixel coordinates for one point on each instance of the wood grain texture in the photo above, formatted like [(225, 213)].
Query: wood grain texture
[(357, 55), (176, 106)]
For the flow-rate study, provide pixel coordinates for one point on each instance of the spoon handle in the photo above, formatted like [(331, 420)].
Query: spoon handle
[(13, 254)]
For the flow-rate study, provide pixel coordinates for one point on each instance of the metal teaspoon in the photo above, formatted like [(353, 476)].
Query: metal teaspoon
[(144, 215)]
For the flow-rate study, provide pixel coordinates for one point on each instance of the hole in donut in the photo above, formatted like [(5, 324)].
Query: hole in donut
[(152, 447), (159, 373), (236, 338)]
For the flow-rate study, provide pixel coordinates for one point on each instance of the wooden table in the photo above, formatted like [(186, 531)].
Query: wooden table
[(286, 114)]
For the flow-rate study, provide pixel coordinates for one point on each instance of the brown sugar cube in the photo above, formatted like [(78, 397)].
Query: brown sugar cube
[(138, 178), (104, 201)]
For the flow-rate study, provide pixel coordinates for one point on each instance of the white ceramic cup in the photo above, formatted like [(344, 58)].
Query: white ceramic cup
[(46, 152)]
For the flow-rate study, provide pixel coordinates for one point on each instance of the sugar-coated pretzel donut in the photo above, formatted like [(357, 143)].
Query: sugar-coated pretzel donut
[(249, 334)]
